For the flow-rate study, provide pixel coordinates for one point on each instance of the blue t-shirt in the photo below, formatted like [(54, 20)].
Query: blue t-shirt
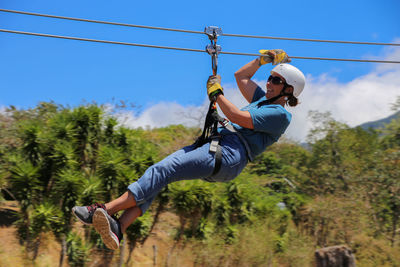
[(270, 122)]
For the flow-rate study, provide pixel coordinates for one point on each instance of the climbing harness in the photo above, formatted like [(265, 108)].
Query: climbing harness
[(210, 130)]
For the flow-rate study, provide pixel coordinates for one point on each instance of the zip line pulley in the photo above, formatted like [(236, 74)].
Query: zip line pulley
[(213, 49)]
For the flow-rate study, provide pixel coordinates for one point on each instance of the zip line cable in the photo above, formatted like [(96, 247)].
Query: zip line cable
[(307, 40), (184, 49), (99, 21), (320, 58), (101, 41), (196, 32)]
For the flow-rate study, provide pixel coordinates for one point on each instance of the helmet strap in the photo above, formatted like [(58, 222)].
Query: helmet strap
[(273, 99)]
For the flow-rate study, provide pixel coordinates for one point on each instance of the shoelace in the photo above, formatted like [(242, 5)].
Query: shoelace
[(95, 206)]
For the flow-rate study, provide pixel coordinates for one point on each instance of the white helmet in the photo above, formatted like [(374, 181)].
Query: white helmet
[(293, 77)]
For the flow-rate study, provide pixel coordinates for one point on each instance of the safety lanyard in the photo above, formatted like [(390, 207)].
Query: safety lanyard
[(212, 117)]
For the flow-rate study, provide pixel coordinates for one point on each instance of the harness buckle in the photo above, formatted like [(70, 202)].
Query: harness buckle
[(214, 144), (224, 122)]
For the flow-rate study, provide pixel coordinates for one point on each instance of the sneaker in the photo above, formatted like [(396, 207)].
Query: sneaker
[(108, 228), (85, 213)]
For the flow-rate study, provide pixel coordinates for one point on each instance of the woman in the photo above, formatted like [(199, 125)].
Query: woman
[(256, 126)]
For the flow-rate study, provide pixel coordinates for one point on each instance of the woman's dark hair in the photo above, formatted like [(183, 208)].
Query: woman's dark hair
[(292, 101)]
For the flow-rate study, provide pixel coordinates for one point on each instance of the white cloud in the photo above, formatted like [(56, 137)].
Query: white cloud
[(3, 110), (164, 114), (366, 98)]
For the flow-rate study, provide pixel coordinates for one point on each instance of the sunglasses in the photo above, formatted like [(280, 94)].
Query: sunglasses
[(275, 80)]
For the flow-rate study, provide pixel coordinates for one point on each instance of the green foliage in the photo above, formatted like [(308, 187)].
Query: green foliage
[(31, 143), (3, 182), (204, 230), (110, 163), (139, 230), (46, 217), (391, 133), (340, 158), (24, 182), (93, 190), (77, 250), (67, 156), (384, 193), (185, 196), (342, 187), (192, 202), (267, 163), (67, 189), (240, 202), (230, 234)]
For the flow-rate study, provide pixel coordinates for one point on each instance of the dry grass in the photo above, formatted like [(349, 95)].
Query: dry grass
[(12, 254), (255, 246)]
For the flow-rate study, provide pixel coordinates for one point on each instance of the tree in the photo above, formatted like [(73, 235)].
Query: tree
[(87, 126), (266, 164), (45, 218), (25, 184), (78, 250), (191, 200), (340, 155), (383, 182), (138, 232)]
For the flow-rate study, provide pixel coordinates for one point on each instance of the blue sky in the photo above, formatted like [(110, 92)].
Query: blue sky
[(34, 69)]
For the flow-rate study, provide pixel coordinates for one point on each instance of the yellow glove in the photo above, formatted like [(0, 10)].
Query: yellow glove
[(214, 86), (275, 56)]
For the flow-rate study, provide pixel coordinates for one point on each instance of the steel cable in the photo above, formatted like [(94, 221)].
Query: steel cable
[(99, 21), (99, 41), (183, 49), (196, 32), (308, 40), (320, 58)]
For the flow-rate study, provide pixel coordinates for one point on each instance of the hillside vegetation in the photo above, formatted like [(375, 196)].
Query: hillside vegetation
[(344, 189)]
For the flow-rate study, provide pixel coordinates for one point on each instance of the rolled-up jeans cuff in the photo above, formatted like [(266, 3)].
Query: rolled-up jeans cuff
[(137, 193), (144, 207)]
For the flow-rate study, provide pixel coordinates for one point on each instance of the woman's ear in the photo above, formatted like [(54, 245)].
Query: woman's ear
[(289, 89)]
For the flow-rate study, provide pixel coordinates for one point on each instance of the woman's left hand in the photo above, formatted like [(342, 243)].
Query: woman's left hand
[(275, 56), (214, 86)]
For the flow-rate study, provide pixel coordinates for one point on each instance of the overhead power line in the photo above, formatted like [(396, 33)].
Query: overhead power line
[(196, 32), (182, 49)]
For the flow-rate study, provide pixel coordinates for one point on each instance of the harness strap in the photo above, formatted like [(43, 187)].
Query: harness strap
[(215, 147), (218, 158), (212, 121)]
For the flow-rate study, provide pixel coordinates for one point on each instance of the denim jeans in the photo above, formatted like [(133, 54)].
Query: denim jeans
[(190, 163)]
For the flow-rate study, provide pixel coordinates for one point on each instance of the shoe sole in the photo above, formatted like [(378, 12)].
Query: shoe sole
[(73, 212), (102, 226)]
